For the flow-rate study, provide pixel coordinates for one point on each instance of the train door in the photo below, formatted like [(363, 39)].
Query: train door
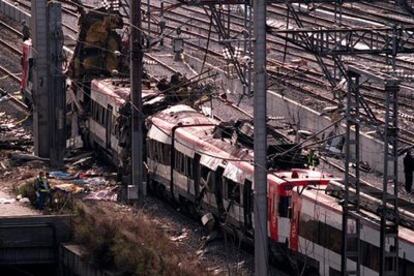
[(109, 126), (248, 204), (284, 203), (196, 174), (294, 214)]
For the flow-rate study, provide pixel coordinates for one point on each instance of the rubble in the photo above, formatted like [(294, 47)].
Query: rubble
[(12, 134), (83, 180)]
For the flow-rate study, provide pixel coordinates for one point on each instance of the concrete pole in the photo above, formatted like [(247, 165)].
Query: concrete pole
[(57, 90), (40, 40), (48, 92), (260, 143), (162, 23), (137, 142)]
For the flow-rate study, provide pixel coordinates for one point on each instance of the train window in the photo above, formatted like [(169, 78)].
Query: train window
[(149, 149), (159, 152), (189, 167), (103, 115), (406, 268), (154, 154), (98, 113), (204, 171), (94, 111), (184, 164), (309, 228), (370, 256), (166, 154), (179, 162), (114, 129), (284, 206), (330, 237), (233, 190), (334, 272)]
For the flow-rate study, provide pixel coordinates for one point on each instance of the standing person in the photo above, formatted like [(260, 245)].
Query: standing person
[(25, 31), (42, 190), (408, 171), (312, 159)]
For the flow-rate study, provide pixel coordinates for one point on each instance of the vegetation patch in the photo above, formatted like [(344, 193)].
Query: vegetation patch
[(129, 243)]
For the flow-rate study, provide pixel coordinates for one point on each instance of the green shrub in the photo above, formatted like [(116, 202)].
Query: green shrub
[(26, 190)]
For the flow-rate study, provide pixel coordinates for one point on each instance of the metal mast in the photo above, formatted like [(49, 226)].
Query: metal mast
[(389, 213), (388, 210), (137, 142), (351, 217), (260, 141)]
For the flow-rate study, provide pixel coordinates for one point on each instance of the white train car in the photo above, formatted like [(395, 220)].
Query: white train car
[(107, 98), (186, 162), (215, 175)]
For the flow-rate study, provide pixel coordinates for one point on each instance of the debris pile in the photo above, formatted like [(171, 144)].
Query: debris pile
[(12, 135)]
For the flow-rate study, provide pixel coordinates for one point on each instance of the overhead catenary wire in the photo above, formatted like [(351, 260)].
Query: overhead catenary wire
[(250, 161), (213, 155)]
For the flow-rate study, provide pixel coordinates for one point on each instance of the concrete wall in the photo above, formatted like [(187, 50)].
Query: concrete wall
[(371, 150), (72, 262), (32, 239)]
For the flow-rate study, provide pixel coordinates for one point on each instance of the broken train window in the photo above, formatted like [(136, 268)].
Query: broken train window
[(233, 190)]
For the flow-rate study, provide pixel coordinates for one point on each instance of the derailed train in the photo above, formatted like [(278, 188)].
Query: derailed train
[(190, 161), (205, 165)]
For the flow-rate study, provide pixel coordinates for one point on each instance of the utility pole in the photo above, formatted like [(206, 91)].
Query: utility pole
[(260, 143), (162, 23), (57, 90), (137, 142), (351, 216), (49, 86)]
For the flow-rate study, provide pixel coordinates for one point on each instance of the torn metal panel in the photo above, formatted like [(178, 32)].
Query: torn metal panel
[(210, 162), (236, 174), (155, 133), (184, 148)]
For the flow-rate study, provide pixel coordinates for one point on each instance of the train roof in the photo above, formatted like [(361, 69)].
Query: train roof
[(119, 90), (195, 134)]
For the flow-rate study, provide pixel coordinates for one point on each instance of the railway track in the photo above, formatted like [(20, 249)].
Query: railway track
[(316, 86), (26, 5), (15, 78), (218, 56), (313, 79), (378, 100)]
